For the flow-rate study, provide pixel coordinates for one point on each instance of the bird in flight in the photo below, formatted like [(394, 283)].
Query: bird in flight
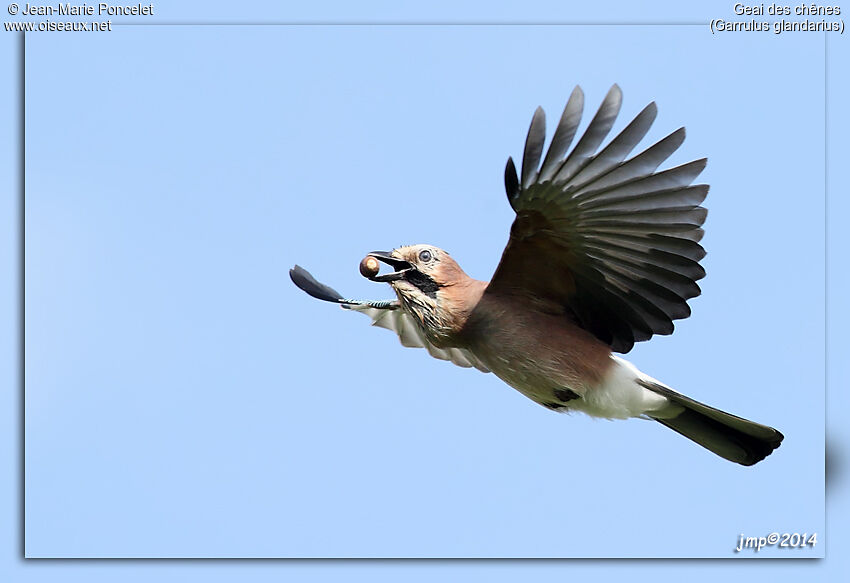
[(604, 252)]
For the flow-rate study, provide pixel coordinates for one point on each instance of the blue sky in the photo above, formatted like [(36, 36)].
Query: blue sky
[(184, 399)]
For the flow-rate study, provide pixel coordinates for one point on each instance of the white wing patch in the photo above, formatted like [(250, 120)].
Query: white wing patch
[(402, 323)]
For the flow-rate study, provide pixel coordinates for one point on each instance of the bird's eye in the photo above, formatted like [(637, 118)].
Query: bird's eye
[(425, 256)]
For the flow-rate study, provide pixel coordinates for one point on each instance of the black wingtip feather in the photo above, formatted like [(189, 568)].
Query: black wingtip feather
[(700, 163), (306, 282), (615, 94), (564, 134), (534, 142), (511, 181)]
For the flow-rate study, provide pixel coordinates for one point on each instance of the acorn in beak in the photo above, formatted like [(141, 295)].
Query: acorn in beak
[(369, 267)]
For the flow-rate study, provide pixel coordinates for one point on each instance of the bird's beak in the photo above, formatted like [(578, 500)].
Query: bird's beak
[(400, 265)]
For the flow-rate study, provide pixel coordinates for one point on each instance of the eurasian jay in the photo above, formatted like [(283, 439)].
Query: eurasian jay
[(604, 252)]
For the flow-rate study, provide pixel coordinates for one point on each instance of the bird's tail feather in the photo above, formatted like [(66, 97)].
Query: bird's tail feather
[(729, 436)]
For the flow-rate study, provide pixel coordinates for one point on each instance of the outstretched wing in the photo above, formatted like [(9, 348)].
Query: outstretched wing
[(385, 314), (609, 242)]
